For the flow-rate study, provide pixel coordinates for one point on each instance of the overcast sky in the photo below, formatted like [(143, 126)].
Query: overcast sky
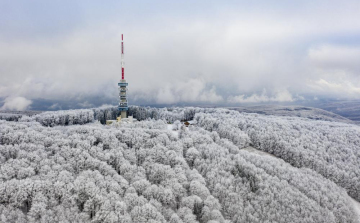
[(66, 54)]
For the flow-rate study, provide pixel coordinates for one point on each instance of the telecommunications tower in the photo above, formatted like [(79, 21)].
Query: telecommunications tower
[(123, 104)]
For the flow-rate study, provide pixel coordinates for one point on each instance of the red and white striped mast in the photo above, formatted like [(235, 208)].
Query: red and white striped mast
[(122, 57)]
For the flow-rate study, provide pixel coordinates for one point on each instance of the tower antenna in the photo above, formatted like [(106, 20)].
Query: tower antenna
[(123, 104), (122, 57)]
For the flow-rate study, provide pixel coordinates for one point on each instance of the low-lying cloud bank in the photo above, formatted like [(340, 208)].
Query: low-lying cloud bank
[(310, 51), (16, 103), (280, 96)]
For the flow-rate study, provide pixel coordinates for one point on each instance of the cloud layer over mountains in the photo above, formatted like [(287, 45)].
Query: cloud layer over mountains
[(207, 52)]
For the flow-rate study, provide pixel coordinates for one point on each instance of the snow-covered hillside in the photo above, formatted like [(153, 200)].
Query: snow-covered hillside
[(294, 111), (65, 166)]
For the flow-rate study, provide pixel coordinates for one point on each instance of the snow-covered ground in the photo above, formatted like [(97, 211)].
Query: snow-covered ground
[(171, 128), (356, 206), (259, 152)]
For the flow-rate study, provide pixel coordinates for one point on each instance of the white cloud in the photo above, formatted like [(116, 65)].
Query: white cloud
[(279, 96), (335, 72), (192, 90), (171, 59), (210, 96), (165, 96), (16, 104), (341, 88), (336, 57)]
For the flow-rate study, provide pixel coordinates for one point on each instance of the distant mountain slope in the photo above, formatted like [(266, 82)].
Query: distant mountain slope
[(294, 111), (348, 109)]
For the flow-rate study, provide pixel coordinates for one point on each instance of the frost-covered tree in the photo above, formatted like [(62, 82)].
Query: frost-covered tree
[(141, 172)]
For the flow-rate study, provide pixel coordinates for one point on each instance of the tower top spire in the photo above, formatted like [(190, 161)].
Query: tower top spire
[(122, 58)]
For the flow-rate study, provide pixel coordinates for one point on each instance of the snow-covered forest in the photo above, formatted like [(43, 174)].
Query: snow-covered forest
[(66, 166)]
